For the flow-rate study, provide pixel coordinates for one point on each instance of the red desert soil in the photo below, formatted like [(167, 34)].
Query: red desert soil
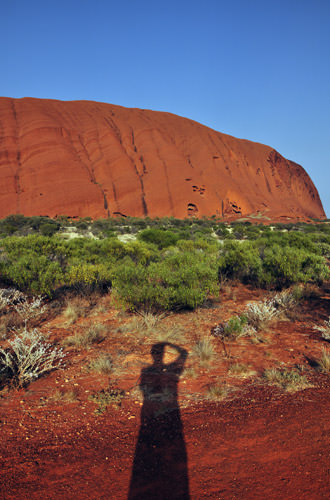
[(84, 158), (258, 443)]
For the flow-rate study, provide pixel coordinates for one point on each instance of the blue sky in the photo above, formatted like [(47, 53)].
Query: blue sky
[(255, 69)]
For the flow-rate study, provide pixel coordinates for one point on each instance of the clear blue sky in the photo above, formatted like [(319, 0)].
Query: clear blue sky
[(255, 69)]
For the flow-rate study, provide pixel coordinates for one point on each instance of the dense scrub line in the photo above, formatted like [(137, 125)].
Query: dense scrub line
[(189, 228), (159, 270)]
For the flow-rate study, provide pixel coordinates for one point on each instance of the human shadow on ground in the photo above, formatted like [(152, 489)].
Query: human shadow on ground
[(160, 463)]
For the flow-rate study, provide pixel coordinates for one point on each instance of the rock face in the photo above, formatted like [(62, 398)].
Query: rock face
[(83, 158)]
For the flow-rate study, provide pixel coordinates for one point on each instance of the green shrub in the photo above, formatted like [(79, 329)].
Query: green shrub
[(159, 237), (171, 266), (36, 274), (235, 326), (284, 266), (233, 329), (180, 280), (88, 277), (240, 261), (48, 229), (265, 263)]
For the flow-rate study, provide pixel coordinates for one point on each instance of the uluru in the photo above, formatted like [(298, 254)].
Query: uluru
[(84, 158)]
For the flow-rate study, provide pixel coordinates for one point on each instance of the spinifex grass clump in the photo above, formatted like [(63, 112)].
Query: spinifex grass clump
[(204, 350), (93, 334), (324, 361), (289, 380), (28, 357), (102, 364), (241, 370), (217, 392)]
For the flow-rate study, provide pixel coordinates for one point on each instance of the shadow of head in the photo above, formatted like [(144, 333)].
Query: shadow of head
[(157, 353)]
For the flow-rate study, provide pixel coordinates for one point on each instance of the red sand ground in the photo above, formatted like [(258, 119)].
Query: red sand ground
[(84, 158), (260, 442), (263, 445)]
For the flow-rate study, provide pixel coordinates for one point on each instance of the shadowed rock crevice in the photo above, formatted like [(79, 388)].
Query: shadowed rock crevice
[(192, 210)]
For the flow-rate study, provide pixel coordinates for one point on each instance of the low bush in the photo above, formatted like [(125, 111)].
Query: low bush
[(233, 329), (175, 264), (28, 357), (239, 261), (325, 329), (49, 228), (259, 314), (86, 278), (30, 309)]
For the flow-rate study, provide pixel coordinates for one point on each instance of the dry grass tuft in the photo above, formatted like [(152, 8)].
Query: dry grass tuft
[(73, 311), (241, 370), (65, 396), (142, 323), (217, 392), (149, 320), (92, 335), (9, 323), (167, 333), (106, 397), (102, 364), (204, 351), (324, 361), (289, 380), (190, 372)]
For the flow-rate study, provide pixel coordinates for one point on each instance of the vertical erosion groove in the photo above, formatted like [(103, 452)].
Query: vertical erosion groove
[(17, 183)]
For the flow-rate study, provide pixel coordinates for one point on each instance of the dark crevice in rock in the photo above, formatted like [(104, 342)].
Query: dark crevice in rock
[(192, 209)]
